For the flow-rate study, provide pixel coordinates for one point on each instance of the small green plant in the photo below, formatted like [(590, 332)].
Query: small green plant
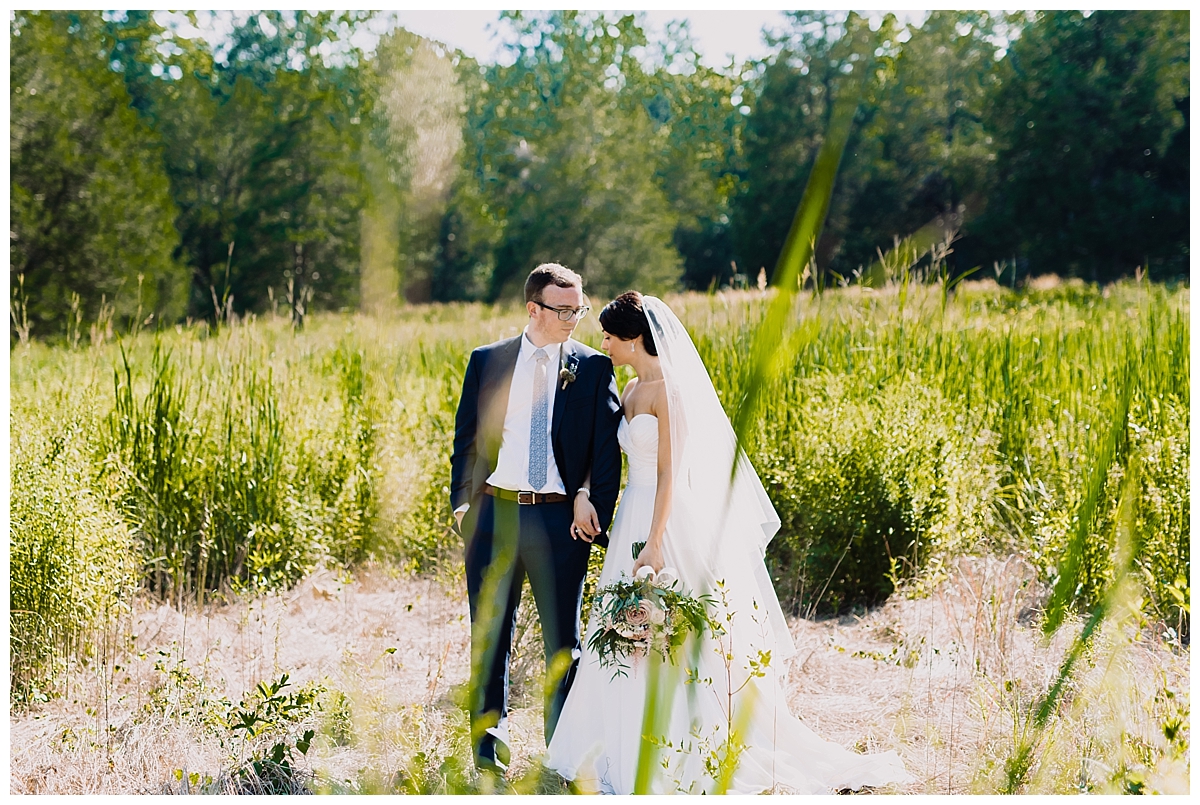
[(338, 723), (267, 734), (183, 697)]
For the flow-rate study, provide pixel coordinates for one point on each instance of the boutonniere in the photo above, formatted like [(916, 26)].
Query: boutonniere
[(566, 375)]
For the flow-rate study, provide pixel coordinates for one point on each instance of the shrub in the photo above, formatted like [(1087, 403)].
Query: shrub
[(71, 572), (867, 489), (1161, 440), (341, 472)]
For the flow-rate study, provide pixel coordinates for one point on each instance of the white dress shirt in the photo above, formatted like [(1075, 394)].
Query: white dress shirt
[(512, 464)]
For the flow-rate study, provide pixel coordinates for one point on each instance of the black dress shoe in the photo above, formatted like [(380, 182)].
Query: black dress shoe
[(490, 765), (492, 755)]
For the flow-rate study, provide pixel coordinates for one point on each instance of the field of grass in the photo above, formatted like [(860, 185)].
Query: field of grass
[(202, 467)]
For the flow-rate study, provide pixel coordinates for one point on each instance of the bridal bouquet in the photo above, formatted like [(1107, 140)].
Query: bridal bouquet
[(647, 613)]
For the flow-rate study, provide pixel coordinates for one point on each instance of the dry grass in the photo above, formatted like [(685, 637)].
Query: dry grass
[(924, 676), (949, 680), (325, 631)]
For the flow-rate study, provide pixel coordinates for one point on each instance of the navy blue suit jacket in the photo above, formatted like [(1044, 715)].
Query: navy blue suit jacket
[(583, 431)]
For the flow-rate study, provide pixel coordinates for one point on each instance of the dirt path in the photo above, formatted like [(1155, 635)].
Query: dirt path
[(933, 678)]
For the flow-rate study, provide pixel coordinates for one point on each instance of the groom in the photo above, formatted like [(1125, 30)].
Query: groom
[(535, 450)]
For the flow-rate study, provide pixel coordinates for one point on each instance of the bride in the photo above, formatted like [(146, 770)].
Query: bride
[(722, 709)]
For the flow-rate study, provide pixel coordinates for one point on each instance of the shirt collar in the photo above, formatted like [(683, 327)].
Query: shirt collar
[(527, 348)]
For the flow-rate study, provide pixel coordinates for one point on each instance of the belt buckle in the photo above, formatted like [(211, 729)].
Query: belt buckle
[(525, 498)]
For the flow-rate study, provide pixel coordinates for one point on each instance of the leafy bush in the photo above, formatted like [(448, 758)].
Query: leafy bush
[(342, 472), (870, 488), (1161, 440), (1157, 440), (266, 734), (419, 533)]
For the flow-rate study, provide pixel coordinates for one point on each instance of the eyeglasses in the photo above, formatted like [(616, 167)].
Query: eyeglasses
[(566, 314)]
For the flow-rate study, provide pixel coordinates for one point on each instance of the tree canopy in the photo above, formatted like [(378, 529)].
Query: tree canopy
[(1090, 118), (90, 205), (285, 166)]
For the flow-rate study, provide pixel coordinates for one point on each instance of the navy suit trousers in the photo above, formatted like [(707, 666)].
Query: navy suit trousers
[(508, 543)]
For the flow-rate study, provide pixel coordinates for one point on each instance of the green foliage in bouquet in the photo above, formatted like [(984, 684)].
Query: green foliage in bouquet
[(639, 615)]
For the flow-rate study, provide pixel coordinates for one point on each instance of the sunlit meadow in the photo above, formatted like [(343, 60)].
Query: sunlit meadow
[(198, 510)]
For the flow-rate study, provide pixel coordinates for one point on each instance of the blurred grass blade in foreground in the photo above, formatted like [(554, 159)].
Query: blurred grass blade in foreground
[(797, 253), (1120, 603), (1066, 588)]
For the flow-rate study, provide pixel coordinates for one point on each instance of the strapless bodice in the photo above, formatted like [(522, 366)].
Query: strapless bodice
[(639, 440)]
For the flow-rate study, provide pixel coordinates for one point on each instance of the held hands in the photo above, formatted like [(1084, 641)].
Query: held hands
[(651, 557), (587, 523)]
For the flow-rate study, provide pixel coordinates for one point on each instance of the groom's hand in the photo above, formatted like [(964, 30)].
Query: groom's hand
[(587, 522)]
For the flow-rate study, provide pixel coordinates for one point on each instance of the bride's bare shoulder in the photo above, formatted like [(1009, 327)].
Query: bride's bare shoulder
[(658, 394)]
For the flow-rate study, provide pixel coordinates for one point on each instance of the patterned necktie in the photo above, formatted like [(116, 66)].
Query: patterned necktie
[(537, 423)]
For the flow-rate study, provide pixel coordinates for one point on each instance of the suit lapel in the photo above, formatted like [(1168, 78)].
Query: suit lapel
[(494, 397), (560, 394)]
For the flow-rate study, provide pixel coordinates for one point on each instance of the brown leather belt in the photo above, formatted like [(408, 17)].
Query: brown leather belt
[(524, 497)]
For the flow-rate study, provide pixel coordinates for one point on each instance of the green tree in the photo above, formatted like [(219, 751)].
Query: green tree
[(924, 149), (416, 143), (1090, 118), (791, 95), (918, 147), (563, 156), (263, 144), (697, 119), (89, 201)]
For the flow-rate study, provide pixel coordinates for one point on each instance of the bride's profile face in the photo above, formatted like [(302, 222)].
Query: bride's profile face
[(617, 348)]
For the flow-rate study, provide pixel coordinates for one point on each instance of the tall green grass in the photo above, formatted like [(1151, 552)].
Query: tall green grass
[(205, 463), (246, 459), (963, 429), (894, 437), (72, 573)]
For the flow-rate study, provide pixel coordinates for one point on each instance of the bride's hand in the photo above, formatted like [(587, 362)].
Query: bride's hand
[(651, 557), (587, 522)]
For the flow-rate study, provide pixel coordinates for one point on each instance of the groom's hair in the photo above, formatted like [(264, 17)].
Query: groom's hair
[(624, 318), (550, 274)]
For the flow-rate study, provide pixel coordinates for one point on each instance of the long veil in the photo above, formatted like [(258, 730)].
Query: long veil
[(721, 516)]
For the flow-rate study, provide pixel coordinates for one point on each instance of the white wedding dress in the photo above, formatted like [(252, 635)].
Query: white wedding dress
[(720, 523), (597, 740)]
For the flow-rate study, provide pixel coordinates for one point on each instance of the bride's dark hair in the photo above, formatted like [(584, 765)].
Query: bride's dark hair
[(624, 318)]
